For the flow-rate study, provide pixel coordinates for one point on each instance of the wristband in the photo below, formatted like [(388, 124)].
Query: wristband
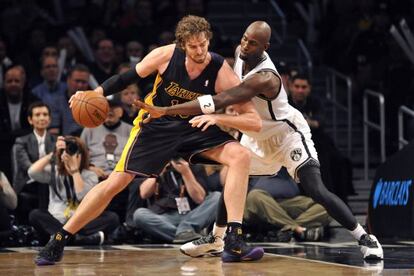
[(206, 104)]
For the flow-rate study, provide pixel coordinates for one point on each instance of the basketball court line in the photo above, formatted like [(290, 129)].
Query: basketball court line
[(316, 261)]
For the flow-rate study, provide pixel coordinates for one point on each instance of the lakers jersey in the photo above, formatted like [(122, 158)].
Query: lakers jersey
[(174, 86)]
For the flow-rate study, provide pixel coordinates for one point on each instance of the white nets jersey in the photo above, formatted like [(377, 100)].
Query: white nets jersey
[(285, 138)]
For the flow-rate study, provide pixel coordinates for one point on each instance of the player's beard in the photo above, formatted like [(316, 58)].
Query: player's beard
[(252, 58), (243, 57), (199, 59)]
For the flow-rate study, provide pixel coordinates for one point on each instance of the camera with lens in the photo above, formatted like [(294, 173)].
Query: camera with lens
[(71, 146)]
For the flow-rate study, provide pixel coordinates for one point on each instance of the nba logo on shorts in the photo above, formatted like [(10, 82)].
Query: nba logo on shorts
[(296, 154)]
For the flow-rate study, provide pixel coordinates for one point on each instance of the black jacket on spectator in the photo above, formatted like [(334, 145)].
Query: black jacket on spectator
[(8, 136), (27, 152)]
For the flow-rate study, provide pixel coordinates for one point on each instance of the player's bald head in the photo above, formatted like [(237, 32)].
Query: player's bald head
[(261, 30)]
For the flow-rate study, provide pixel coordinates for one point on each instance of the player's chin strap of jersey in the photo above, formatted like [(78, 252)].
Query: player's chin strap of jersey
[(119, 82)]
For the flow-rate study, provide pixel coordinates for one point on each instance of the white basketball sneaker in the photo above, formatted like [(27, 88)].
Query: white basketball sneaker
[(370, 247), (207, 245)]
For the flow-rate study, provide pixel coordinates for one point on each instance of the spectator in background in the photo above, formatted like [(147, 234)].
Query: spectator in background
[(127, 98), (30, 55), (62, 120), (51, 90), (141, 19), (14, 103), (133, 91), (105, 144), (120, 53), (96, 36), (66, 173), (28, 149), (5, 61), (72, 55), (278, 202), (134, 52), (49, 51), (179, 204), (104, 65), (284, 71), (8, 201), (336, 169)]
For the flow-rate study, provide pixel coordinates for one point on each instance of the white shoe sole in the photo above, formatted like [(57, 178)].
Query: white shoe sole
[(211, 253), (373, 253)]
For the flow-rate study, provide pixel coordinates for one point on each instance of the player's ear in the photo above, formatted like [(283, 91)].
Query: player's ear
[(267, 45)]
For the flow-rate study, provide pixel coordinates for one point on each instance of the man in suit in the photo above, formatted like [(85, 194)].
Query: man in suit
[(14, 102), (26, 151)]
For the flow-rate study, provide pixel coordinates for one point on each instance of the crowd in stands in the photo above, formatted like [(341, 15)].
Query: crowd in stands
[(48, 162)]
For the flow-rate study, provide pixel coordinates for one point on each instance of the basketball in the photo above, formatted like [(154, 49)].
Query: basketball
[(90, 109)]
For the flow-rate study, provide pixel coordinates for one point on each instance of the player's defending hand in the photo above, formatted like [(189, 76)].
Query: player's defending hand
[(203, 121), (153, 111)]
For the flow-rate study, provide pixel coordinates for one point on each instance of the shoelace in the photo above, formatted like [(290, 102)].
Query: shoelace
[(203, 240), (368, 241)]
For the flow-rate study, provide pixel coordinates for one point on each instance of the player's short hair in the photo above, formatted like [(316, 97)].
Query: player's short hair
[(189, 26)]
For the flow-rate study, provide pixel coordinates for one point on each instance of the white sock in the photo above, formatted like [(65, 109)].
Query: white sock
[(219, 231), (358, 232)]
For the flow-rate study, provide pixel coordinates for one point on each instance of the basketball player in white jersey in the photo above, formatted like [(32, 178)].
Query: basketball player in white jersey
[(285, 138)]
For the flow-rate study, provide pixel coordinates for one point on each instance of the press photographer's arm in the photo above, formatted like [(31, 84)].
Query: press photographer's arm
[(193, 187)]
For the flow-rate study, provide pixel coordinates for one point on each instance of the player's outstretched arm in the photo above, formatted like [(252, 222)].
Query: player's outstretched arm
[(260, 83), (149, 64), (156, 60)]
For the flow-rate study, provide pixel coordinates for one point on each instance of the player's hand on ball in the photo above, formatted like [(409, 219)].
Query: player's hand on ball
[(203, 121), (153, 111), (77, 95)]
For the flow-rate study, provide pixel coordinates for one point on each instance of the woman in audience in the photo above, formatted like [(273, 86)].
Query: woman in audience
[(69, 179)]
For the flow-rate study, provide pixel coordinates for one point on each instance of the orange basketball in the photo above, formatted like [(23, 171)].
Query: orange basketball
[(90, 110)]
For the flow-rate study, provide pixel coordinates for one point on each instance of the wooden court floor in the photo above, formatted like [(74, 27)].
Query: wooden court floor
[(280, 259)]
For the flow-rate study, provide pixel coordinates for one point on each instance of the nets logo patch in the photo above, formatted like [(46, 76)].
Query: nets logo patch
[(296, 154)]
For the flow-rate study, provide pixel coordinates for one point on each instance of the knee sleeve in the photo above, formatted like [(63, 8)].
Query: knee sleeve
[(311, 181)]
